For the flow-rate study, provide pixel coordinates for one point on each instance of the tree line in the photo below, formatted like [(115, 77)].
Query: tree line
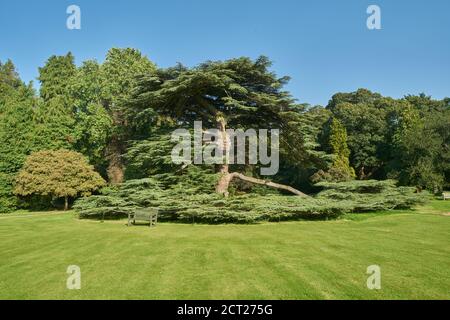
[(118, 114)]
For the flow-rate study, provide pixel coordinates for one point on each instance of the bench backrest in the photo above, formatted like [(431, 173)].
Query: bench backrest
[(446, 195), (145, 214)]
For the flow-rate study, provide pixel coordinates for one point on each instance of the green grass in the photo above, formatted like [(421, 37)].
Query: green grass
[(294, 260)]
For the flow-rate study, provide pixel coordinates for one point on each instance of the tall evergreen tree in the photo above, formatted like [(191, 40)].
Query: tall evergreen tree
[(119, 76), (339, 147), (17, 103), (54, 125), (238, 93), (55, 114), (340, 169), (9, 81), (56, 75)]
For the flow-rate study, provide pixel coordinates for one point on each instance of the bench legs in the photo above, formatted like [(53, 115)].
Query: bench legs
[(153, 220), (129, 219)]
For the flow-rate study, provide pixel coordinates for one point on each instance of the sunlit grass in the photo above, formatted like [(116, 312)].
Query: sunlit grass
[(294, 260)]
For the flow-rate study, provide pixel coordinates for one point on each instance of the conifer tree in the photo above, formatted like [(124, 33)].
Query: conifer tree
[(56, 75), (338, 143), (118, 77), (17, 103), (340, 169), (55, 113), (238, 93), (54, 125)]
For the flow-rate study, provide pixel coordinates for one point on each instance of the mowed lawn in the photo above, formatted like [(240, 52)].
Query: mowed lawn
[(293, 260)]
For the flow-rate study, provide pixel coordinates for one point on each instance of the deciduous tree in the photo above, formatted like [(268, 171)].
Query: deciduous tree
[(60, 174)]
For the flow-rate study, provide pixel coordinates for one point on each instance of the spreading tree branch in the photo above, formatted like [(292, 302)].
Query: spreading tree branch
[(267, 183)]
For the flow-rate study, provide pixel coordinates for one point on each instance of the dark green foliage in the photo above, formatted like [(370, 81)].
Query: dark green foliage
[(119, 75), (8, 202), (54, 125), (372, 195), (363, 115), (116, 202), (93, 123), (120, 115), (9, 81), (56, 75), (185, 194), (340, 169), (243, 93), (183, 204), (54, 116), (92, 130), (151, 156), (404, 139), (309, 121), (421, 140), (16, 131), (174, 205)]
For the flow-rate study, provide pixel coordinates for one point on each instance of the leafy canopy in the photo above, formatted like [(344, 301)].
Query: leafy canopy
[(60, 173)]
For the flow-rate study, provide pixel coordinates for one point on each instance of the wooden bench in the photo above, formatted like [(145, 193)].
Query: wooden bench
[(147, 214), (446, 195)]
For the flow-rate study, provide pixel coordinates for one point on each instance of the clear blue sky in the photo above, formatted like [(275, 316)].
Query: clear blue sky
[(324, 46)]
